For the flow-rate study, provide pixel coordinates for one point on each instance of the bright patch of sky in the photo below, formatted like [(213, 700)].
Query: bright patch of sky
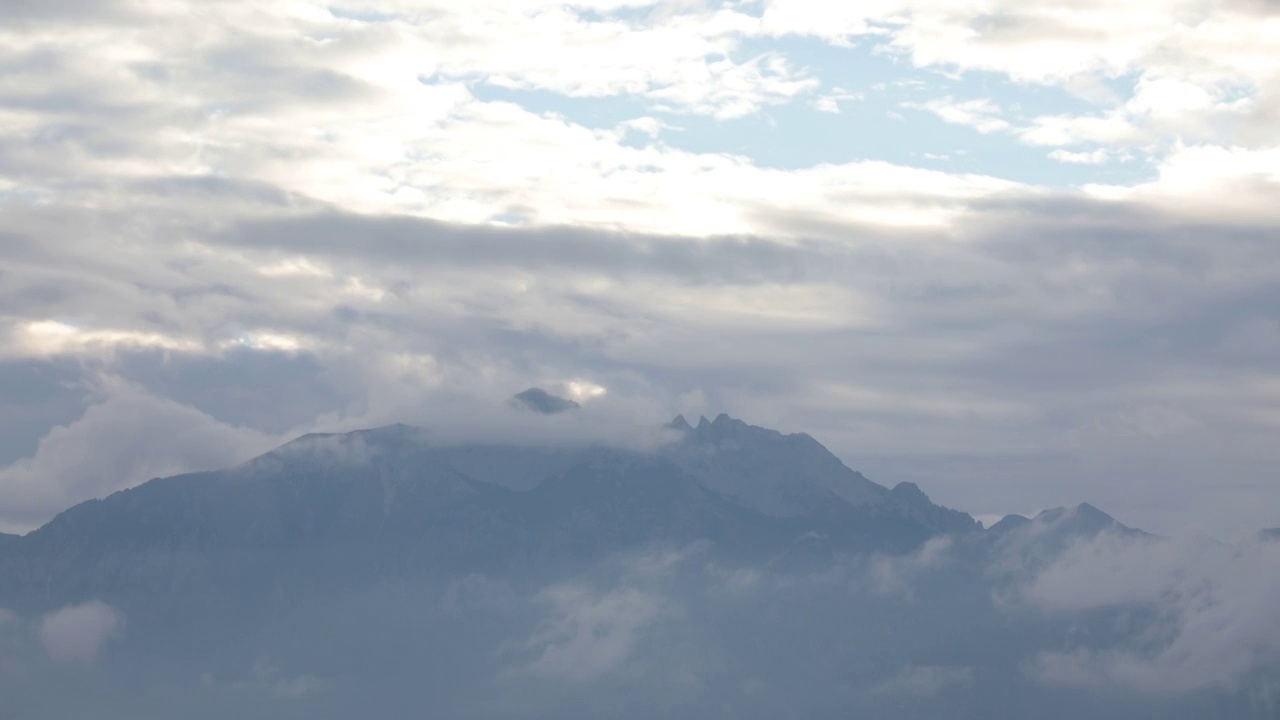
[(869, 104), (865, 100)]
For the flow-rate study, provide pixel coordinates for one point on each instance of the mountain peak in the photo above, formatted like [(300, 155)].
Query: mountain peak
[(727, 427), (723, 420), (1009, 522), (541, 401), (679, 423), (1083, 519), (1090, 511), (908, 491)]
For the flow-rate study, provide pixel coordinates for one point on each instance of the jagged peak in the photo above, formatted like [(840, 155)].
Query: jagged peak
[(723, 420), (679, 423), (727, 426), (909, 490)]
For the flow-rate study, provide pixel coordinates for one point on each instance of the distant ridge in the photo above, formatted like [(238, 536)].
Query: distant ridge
[(391, 489)]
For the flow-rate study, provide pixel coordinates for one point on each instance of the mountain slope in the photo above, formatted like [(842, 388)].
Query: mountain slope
[(776, 474), (372, 572), (327, 511)]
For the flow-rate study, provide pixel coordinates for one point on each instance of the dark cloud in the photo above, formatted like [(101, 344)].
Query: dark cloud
[(374, 241)]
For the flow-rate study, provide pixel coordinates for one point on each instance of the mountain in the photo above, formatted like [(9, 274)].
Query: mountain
[(1083, 520), (735, 572), (541, 401), (332, 510), (776, 474), (1027, 544), (791, 476), (781, 476)]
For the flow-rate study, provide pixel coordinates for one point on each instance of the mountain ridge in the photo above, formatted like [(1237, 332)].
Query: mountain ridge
[(386, 502), (405, 503), (351, 558)]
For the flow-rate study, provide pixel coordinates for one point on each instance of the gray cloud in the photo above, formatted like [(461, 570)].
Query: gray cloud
[(77, 633), (927, 680), (897, 352), (1037, 348), (267, 677), (588, 634)]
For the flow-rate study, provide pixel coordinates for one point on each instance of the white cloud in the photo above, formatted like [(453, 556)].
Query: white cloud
[(1195, 70), (128, 437), (77, 633), (44, 338), (1091, 157), (646, 125), (981, 114), (830, 102), (590, 634), (1226, 184), (1214, 609), (390, 125), (1058, 130), (900, 575)]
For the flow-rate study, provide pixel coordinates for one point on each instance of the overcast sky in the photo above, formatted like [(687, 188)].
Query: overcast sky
[(1024, 254)]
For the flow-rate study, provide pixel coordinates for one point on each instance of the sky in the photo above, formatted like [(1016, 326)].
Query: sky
[(1023, 254)]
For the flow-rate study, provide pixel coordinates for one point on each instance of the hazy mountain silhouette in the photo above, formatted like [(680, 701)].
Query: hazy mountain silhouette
[(332, 510), (733, 572)]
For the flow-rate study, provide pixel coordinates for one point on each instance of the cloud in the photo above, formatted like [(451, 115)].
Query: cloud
[(926, 681), (126, 438), (590, 634), (1211, 612), (981, 344), (980, 114), (296, 218), (1092, 157), (900, 575), (268, 678), (77, 633)]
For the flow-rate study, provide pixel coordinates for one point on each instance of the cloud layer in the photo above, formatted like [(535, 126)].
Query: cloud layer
[(288, 217)]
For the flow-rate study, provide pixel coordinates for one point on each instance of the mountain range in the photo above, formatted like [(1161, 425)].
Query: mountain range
[(381, 559), (388, 500)]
